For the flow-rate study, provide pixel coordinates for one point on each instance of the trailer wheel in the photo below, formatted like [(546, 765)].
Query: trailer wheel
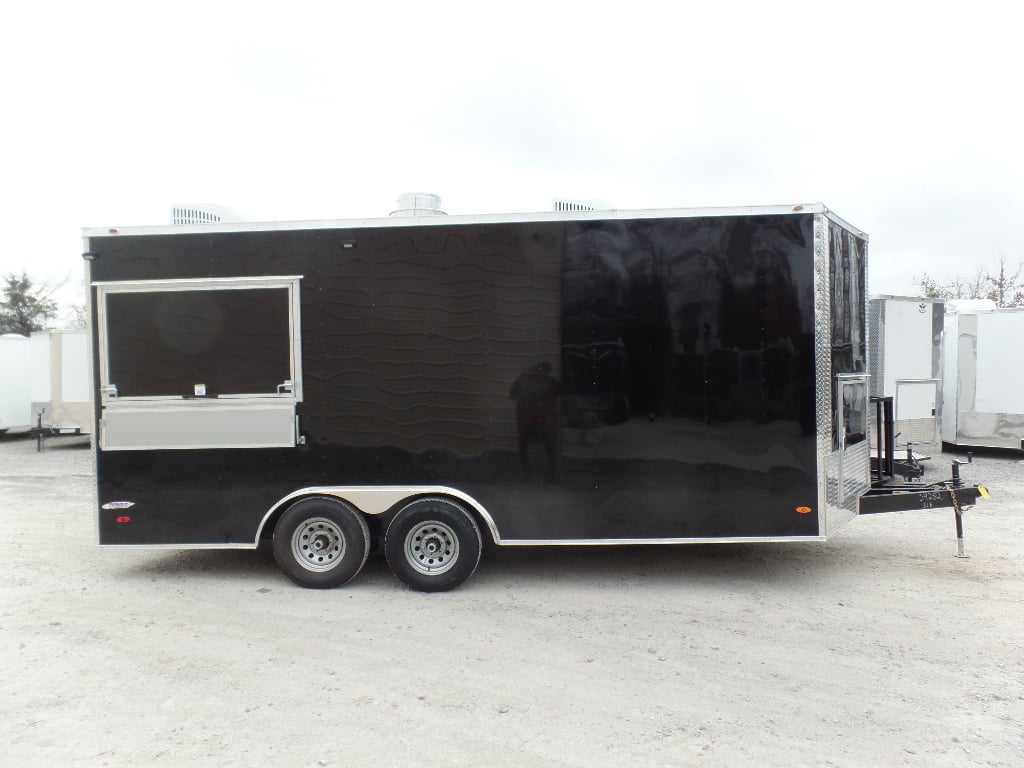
[(321, 542), (433, 545)]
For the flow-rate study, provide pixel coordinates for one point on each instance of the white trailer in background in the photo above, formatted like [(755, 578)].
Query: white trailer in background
[(15, 389), (984, 376), (906, 365), (60, 381)]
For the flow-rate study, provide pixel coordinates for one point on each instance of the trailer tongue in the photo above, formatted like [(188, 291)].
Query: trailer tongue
[(889, 495)]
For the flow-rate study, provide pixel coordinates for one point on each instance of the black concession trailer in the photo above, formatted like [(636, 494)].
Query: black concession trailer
[(415, 385)]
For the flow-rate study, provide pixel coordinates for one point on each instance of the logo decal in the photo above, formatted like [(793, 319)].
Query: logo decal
[(119, 505)]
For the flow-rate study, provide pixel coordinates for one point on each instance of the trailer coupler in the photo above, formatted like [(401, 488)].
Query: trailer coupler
[(903, 497)]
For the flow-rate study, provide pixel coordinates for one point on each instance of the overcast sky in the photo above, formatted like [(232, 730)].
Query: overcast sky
[(904, 118)]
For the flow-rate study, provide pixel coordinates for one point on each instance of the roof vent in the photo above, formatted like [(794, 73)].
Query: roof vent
[(419, 204), (204, 214), (574, 204)]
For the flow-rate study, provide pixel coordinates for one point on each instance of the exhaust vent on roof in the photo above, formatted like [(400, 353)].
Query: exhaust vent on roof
[(419, 204), (570, 204), (204, 214)]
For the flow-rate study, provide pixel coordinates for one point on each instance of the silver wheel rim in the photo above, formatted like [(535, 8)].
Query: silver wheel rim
[(432, 548), (318, 544)]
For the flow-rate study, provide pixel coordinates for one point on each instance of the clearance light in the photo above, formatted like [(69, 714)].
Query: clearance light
[(123, 519), (804, 510)]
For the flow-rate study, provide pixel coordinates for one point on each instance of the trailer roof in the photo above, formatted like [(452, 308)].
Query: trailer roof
[(448, 220)]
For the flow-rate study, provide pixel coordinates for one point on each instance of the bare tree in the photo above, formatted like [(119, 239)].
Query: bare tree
[(962, 287), (78, 317), (1005, 288), (25, 308), (929, 288)]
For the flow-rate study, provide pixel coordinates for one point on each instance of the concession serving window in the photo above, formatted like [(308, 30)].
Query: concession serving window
[(211, 363)]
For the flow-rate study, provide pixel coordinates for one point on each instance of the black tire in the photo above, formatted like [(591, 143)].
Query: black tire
[(433, 545), (321, 542)]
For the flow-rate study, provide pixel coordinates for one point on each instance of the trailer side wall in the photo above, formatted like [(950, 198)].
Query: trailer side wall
[(592, 380)]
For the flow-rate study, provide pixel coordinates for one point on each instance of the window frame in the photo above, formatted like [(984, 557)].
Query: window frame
[(840, 420), (290, 283)]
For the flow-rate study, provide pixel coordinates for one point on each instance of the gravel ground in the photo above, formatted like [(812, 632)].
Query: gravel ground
[(875, 648)]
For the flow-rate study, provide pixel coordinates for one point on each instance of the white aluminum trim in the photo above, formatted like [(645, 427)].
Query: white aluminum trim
[(198, 424), (388, 497), (230, 545), (295, 333), (610, 542), (378, 499), (94, 440), (846, 225), (249, 546), (822, 365), (221, 403), (494, 218), (833, 477), (195, 283), (218, 446), (845, 451), (140, 401)]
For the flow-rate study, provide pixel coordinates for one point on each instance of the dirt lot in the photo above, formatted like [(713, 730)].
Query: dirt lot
[(876, 648)]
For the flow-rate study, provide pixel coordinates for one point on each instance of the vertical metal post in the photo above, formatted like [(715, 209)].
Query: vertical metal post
[(890, 438), (879, 429), (39, 432), (885, 441), (958, 513), (960, 536)]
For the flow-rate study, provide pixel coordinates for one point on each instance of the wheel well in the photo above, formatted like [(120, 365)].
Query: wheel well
[(378, 521), (270, 520), (483, 521)]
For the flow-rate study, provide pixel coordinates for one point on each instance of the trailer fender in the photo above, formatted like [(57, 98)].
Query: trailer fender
[(375, 500)]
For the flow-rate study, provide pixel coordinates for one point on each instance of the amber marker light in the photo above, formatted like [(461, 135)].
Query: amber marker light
[(804, 510)]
